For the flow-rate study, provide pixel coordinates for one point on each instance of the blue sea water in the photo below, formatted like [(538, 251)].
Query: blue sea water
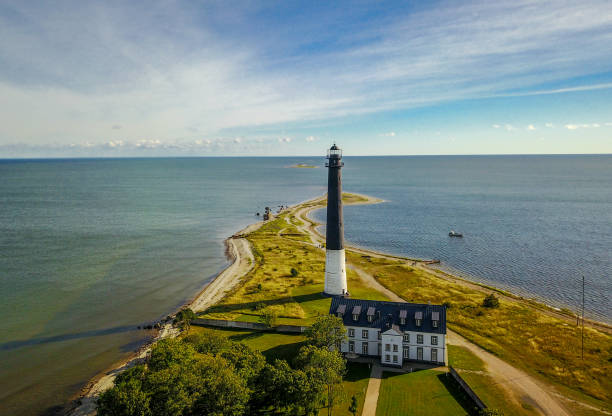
[(89, 249)]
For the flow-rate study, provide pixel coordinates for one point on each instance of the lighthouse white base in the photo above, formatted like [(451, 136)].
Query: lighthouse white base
[(335, 272)]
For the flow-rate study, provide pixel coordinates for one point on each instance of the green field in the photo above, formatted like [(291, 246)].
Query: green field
[(422, 393)]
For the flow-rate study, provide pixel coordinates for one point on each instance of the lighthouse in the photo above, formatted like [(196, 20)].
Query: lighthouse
[(335, 269)]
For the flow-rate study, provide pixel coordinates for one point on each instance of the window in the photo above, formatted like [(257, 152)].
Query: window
[(370, 318), (379, 335), (419, 338), (434, 324), (355, 317), (434, 340), (351, 332), (351, 346), (379, 348), (406, 352), (394, 347), (418, 322), (395, 359), (387, 347), (406, 337), (403, 321), (434, 354), (420, 353), (364, 334), (387, 358), (364, 348), (339, 314)]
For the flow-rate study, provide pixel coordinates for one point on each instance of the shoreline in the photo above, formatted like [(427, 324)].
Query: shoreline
[(241, 262)]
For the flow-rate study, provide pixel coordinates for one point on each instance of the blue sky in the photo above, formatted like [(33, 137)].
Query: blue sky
[(197, 78)]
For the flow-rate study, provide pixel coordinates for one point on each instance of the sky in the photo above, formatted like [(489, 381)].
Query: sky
[(271, 78)]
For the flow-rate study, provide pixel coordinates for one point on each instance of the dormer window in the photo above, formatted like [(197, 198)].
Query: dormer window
[(356, 312), (370, 314), (340, 311), (418, 318), (435, 319), (403, 314)]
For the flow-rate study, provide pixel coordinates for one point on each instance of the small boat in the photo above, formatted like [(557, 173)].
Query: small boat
[(455, 234)]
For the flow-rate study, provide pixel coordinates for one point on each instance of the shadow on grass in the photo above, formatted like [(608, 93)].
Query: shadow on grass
[(458, 394), (263, 303), (285, 352)]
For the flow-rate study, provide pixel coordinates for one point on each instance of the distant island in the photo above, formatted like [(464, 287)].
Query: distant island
[(303, 166)]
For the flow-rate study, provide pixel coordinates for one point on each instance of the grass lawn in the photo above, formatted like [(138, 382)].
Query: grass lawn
[(271, 344), (422, 393)]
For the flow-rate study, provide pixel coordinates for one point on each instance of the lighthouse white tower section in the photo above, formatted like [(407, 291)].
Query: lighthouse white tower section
[(335, 268)]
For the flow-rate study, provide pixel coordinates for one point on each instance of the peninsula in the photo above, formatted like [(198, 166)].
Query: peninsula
[(527, 354)]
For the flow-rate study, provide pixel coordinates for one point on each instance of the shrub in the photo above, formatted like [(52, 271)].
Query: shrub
[(490, 301)]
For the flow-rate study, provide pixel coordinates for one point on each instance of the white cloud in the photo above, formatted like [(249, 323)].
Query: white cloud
[(284, 140), (582, 126), (237, 140), (549, 125), (509, 127), (531, 127), (496, 126), (310, 139), (388, 134)]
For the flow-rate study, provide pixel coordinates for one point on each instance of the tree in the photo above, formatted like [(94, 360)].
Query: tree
[(325, 365), (490, 301), (268, 317), (326, 332), (126, 398), (184, 318), (353, 407)]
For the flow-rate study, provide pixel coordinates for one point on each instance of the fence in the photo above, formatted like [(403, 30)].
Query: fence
[(219, 323), (467, 389)]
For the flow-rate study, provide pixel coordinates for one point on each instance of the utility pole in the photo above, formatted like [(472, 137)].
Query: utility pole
[(582, 353)]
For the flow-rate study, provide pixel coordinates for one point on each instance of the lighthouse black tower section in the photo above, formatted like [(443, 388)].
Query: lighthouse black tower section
[(335, 270)]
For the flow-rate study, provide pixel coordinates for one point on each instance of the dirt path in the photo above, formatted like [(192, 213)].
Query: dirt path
[(371, 398)]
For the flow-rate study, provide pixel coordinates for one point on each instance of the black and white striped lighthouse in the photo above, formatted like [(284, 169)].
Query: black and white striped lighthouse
[(335, 269)]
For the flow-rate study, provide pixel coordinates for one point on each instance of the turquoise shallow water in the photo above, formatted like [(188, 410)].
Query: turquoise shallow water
[(89, 249)]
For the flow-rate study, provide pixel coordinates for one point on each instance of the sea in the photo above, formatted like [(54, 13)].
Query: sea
[(91, 249)]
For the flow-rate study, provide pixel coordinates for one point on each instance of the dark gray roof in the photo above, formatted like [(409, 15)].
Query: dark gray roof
[(341, 308), (371, 311), (387, 314), (435, 316), (418, 315), (356, 309), (403, 313)]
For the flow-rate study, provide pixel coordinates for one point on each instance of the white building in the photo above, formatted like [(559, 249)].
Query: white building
[(394, 331)]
